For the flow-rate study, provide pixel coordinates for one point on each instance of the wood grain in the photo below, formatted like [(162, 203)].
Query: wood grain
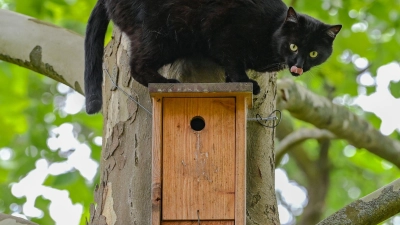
[(203, 90), (156, 180), (228, 222), (240, 197), (198, 166)]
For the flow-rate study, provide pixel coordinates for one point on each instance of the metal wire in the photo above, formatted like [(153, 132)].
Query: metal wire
[(129, 96), (264, 121), (259, 118)]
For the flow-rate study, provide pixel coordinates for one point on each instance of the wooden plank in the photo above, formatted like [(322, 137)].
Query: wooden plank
[(241, 124), (228, 222), (198, 166), (156, 180), (202, 90)]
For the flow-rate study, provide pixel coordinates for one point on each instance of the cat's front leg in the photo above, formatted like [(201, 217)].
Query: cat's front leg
[(145, 73), (239, 75), (145, 61)]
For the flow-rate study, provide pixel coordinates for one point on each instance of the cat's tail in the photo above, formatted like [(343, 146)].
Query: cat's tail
[(94, 47)]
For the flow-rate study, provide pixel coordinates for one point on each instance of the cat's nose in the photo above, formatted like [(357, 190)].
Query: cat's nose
[(296, 70)]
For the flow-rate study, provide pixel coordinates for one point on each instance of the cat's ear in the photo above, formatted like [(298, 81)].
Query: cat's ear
[(333, 30), (291, 16)]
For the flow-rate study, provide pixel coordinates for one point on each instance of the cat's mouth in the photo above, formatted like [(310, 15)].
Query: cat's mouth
[(296, 71)]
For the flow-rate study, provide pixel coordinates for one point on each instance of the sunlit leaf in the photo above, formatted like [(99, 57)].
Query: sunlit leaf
[(26, 100), (395, 89)]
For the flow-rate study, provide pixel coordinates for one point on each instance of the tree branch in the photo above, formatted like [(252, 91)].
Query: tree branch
[(42, 47), (372, 209), (316, 173), (321, 112), (58, 53), (297, 152), (60, 57), (13, 220), (318, 186), (297, 137)]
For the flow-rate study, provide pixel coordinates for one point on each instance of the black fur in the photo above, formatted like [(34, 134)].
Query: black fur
[(236, 34)]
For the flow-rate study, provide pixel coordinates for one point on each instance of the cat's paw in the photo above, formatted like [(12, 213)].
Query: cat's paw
[(93, 105), (256, 87), (172, 81)]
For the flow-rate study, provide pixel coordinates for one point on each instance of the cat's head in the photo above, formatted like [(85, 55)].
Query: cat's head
[(304, 42)]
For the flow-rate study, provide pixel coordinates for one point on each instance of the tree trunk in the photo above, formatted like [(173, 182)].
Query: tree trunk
[(127, 171), (123, 195), (261, 200)]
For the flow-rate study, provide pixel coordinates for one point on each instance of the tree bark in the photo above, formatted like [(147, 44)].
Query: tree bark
[(371, 209), (261, 199), (322, 113), (60, 57), (42, 47), (53, 56), (123, 196), (13, 220)]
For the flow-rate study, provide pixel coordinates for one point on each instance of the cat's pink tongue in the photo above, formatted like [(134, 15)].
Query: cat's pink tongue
[(295, 69)]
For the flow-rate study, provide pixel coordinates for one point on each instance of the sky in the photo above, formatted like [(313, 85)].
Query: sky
[(382, 103), (64, 138)]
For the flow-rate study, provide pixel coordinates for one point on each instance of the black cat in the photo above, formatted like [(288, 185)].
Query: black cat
[(262, 35)]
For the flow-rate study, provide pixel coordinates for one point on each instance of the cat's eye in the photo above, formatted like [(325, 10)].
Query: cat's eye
[(313, 54), (293, 47)]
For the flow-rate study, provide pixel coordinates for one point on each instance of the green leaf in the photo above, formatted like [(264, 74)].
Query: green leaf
[(63, 180), (394, 88)]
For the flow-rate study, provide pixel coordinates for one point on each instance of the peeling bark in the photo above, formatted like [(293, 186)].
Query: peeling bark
[(50, 50), (127, 132), (54, 56), (261, 200), (321, 112), (60, 57), (48, 56), (124, 193)]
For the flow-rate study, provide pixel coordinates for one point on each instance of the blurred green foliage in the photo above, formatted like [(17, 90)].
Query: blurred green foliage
[(28, 112), (370, 30)]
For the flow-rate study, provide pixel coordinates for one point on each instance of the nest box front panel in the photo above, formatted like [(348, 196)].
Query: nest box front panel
[(198, 159)]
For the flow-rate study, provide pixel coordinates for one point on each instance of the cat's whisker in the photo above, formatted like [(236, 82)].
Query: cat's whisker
[(171, 30), (311, 74)]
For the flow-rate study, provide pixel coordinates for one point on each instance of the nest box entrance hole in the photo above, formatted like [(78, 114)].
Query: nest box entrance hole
[(199, 153), (197, 123)]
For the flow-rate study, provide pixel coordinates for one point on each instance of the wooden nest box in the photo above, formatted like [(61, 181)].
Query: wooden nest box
[(199, 153)]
